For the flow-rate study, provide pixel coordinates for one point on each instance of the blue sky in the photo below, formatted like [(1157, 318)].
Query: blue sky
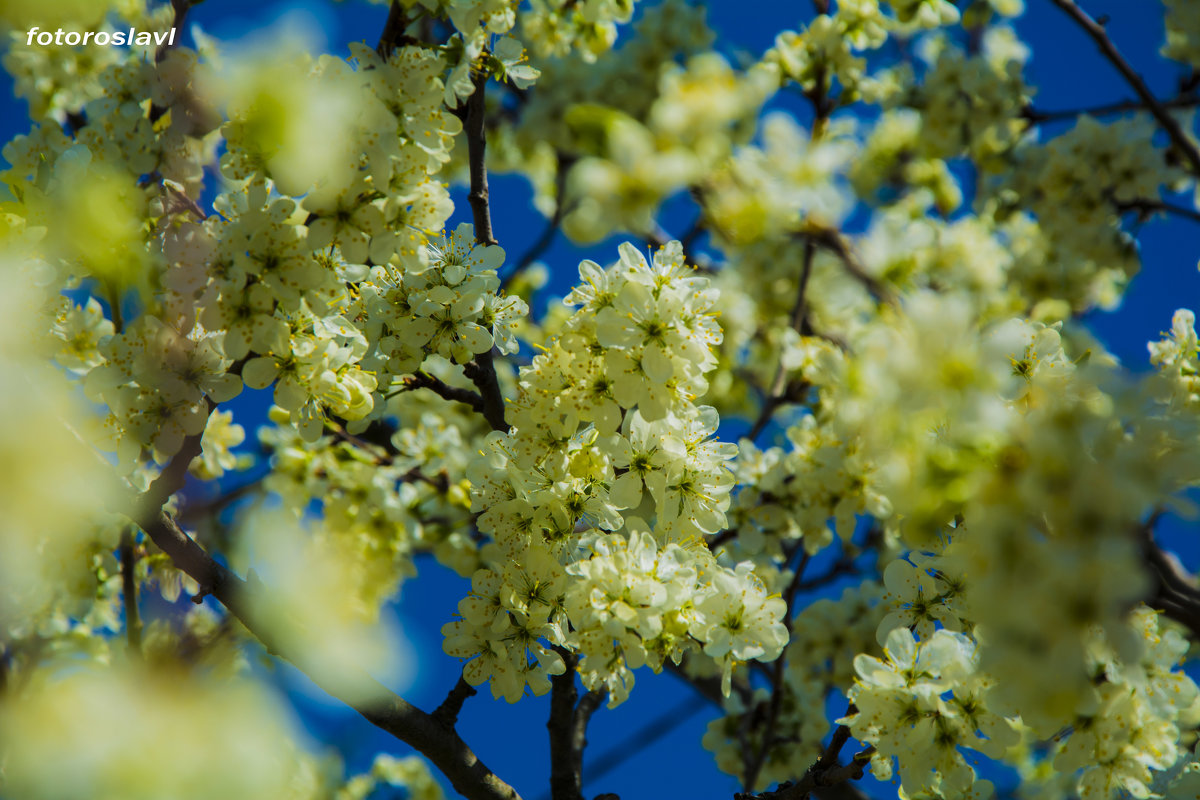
[(1068, 71)]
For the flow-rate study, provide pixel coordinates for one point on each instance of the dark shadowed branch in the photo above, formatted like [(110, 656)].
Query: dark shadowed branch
[(566, 779), (481, 371), (129, 592), (1172, 590), (826, 772), (1038, 115), (423, 380), (447, 712)]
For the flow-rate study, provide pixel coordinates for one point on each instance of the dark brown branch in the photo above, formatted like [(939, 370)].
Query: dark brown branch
[(755, 761), (423, 380), (588, 705), (1146, 208), (474, 119), (826, 772), (1173, 590), (481, 371), (1169, 124), (180, 7), (195, 511), (447, 712), (1036, 115), (393, 30), (129, 593), (566, 765)]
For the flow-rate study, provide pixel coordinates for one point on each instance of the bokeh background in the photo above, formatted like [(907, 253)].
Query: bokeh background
[(650, 745)]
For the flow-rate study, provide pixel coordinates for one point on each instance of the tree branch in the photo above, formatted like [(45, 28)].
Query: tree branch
[(1036, 116), (755, 763), (393, 30), (1169, 124), (447, 712), (129, 593), (776, 395), (1146, 208), (1174, 591), (474, 120), (566, 766), (481, 371), (423, 380), (827, 771), (834, 242)]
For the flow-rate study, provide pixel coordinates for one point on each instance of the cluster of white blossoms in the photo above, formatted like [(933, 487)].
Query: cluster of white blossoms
[(612, 442), (446, 306), (929, 700)]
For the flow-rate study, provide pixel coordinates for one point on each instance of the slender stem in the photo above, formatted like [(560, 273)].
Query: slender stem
[(1169, 124), (1036, 115), (775, 396), (755, 761), (827, 771), (1148, 207)]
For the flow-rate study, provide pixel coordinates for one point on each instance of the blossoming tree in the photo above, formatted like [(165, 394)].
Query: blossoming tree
[(882, 289)]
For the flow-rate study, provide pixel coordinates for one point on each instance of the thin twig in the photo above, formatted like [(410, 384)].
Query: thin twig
[(775, 396), (637, 743), (827, 771), (1037, 115), (1169, 124), (1147, 207), (834, 242), (755, 762), (423, 380)]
